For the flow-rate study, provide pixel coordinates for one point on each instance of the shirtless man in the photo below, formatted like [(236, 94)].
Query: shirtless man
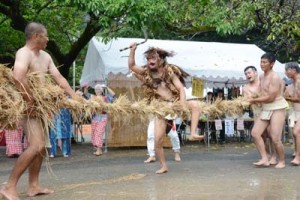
[(252, 90), (273, 111), (292, 94), (32, 58), (161, 82)]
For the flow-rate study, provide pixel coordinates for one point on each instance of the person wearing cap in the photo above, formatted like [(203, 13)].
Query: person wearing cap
[(99, 120)]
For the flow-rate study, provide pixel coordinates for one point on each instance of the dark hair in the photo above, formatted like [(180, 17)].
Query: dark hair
[(250, 67), (269, 56), (32, 28), (158, 51), (220, 90), (292, 65), (209, 93)]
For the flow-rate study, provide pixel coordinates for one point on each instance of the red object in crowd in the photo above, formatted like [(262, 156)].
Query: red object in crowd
[(2, 138)]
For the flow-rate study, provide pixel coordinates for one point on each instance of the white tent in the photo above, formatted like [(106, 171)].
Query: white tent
[(220, 64)]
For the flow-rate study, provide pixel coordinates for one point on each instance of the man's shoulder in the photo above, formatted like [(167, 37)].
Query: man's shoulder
[(246, 86), (26, 51), (23, 50), (44, 53), (275, 75), (171, 65), (176, 70), (251, 87)]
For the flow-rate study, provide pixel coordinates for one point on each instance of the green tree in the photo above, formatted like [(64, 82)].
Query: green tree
[(273, 25), (72, 23)]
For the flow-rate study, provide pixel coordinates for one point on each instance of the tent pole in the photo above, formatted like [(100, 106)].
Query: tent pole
[(107, 128), (207, 121)]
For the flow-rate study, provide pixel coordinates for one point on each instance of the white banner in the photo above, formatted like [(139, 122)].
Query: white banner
[(229, 126)]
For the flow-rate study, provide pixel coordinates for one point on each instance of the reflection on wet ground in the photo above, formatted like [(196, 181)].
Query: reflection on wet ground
[(221, 172)]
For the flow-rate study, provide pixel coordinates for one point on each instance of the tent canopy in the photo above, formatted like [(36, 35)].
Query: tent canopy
[(219, 64)]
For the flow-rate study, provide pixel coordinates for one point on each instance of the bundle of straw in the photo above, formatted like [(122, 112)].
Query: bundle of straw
[(47, 96), (122, 108), (221, 107), (76, 107), (11, 101)]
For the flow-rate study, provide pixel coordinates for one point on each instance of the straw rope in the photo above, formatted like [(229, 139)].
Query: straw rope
[(49, 98)]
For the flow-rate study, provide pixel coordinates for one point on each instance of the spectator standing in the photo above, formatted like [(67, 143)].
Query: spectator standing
[(60, 135), (99, 120)]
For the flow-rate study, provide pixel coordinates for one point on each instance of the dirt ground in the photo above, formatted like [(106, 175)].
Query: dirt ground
[(219, 172)]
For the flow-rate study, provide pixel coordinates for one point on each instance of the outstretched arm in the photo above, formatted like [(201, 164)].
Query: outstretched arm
[(131, 60), (110, 91), (60, 80)]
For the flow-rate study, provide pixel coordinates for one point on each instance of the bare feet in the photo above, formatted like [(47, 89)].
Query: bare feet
[(262, 163), (177, 157), (98, 152), (162, 170), (280, 165), (150, 159), (38, 191), (273, 161), (195, 137), (9, 194), (295, 162)]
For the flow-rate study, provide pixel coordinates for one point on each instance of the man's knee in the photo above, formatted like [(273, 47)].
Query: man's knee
[(37, 149), (158, 143), (193, 105), (276, 141), (296, 131), (255, 135)]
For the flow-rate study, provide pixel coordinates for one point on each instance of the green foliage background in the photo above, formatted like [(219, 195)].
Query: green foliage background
[(273, 25)]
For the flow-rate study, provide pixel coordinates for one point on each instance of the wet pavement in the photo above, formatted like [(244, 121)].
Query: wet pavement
[(220, 172)]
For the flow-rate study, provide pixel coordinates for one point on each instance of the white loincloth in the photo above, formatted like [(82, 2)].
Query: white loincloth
[(256, 109), (268, 108), (294, 114)]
